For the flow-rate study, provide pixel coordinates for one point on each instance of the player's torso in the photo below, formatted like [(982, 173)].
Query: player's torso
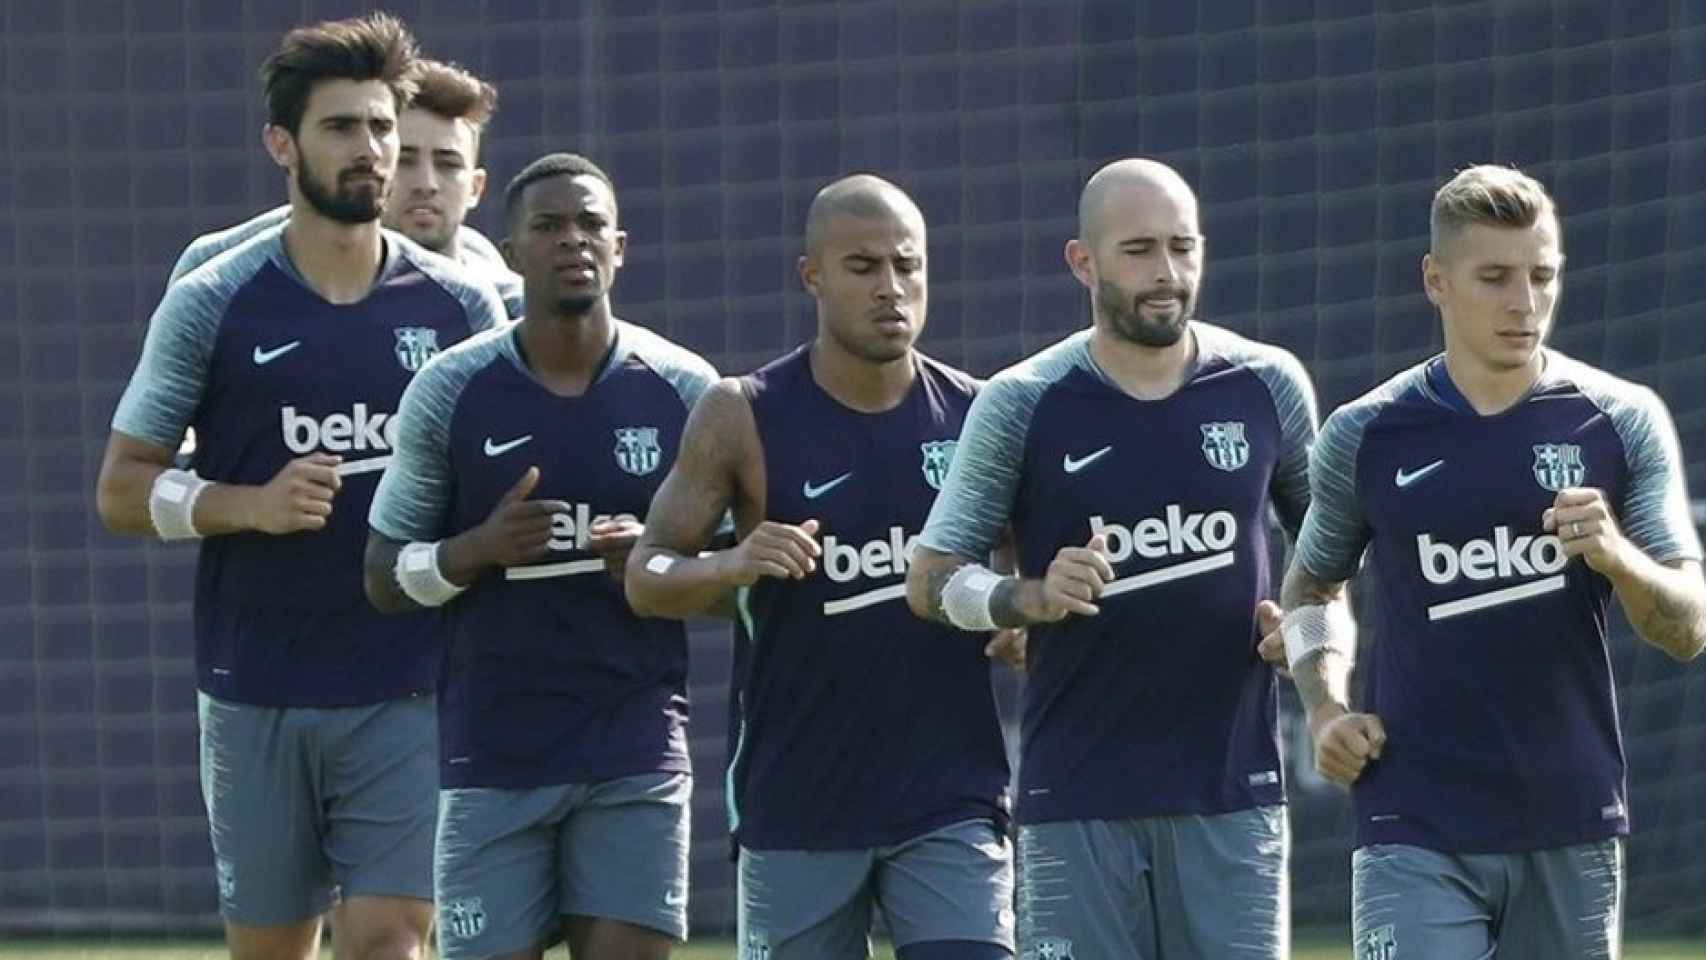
[(551, 677), (842, 674), (1489, 665), (1163, 685), (291, 374)]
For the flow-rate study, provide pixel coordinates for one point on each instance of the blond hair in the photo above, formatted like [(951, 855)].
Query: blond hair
[(1488, 195)]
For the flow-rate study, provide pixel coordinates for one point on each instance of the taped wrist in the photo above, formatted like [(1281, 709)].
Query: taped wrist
[(171, 504), (965, 597), (1318, 627), (420, 578)]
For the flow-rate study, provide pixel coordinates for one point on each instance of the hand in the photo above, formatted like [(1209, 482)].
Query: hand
[(1269, 616), (298, 497), (1345, 742), (1585, 525), (518, 530), (1007, 646), (613, 540), (1073, 582), (780, 550)]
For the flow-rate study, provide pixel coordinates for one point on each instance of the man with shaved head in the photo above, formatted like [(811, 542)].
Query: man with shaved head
[(1135, 463), (869, 769)]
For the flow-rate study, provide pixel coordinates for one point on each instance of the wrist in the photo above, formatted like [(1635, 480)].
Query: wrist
[(1324, 713), (461, 558)]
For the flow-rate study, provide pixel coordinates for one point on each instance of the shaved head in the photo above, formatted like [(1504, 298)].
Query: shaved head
[(860, 196), (1132, 178)]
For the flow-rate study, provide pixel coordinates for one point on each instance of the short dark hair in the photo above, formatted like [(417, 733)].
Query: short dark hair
[(544, 168), (452, 92), (374, 47)]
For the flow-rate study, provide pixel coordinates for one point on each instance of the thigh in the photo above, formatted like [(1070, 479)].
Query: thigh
[(804, 904), (495, 870), (1220, 885), (622, 852), (1084, 891), (1419, 905), (380, 797), (955, 883), (1566, 903), (263, 814)]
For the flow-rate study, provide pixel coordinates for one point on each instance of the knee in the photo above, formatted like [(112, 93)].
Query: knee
[(395, 942)]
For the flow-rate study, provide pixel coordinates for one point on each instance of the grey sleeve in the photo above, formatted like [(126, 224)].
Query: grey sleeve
[(1294, 402), (1334, 530), (976, 501), (413, 498), (511, 291), (471, 286), (171, 375), (1654, 512), (210, 245)]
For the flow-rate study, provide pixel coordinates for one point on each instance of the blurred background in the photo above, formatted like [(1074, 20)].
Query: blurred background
[(1315, 132)]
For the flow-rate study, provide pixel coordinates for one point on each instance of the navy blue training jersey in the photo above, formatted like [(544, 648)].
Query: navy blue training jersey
[(1158, 705), (1489, 667), (266, 371), (550, 678), (861, 725)]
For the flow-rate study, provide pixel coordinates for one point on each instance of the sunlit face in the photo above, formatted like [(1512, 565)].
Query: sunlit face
[(870, 280), (1496, 289), (1143, 264), (344, 154), (565, 244), (438, 180)]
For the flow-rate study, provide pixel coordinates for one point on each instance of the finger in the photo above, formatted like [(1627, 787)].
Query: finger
[(1094, 556), (1575, 496), (546, 507), (319, 475), (1098, 543), (787, 535), (1083, 576), (1071, 604), (770, 568), (792, 565), (806, 534), (522, 487), (310, 522), (1375, 731), (1272, 649), (317, 508), (1269, 616), (322, 459)]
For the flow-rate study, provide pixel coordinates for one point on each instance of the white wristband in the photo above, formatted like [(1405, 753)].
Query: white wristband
[(419, 577), (1321, 627), (171, 504), (965, 598)]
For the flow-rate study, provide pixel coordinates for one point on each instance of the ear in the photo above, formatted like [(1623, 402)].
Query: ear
[(281, 146), (808, 273), (476, 187), (620, 250), (508, 250), (1433, 278), (1079, 260)]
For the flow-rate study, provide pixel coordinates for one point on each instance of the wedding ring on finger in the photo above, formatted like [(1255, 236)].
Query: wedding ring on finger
[(1575, 529)]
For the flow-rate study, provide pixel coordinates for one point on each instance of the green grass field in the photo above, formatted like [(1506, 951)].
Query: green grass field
[(1314, 949)]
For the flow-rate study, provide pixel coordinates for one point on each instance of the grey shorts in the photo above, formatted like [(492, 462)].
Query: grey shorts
[(1422, 904), (955, 883), (512, 863), (308, 805), (1179, 888)]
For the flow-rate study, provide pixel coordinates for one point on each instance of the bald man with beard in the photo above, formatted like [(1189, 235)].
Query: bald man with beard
[(1135, 463), (869, 771)]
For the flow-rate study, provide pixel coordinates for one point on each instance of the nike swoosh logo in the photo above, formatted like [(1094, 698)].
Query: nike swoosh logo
[(1403, 479), (499, 449), (1073, 466), (674, 899), (812, 493), (264, 357)]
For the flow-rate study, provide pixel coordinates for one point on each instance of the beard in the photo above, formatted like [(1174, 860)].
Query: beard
[(1126, 319), (576, 305), (351, 202)]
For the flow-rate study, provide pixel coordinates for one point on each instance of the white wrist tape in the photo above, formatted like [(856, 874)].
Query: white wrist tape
[(418, 574), (171, 504), (1328, 627), (965, 598)]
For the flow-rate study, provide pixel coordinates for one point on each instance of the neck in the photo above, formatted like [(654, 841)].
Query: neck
[(1490, 390), (339, 260), (860, 384), (564, 351), (453, 248), (1147, 373)]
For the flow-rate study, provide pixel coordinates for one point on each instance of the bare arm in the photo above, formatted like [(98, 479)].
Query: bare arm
[(1666, 602), (720, 466), (298, 497), (1074, 581), (1322, 678)]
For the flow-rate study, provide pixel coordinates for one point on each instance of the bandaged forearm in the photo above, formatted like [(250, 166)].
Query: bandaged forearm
[(171, 504), (966, 596), (420, 578), (1327, 629)]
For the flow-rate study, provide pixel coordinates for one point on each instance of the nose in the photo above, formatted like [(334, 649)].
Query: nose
[(889, 287), (1167, 272), (1525, 300)]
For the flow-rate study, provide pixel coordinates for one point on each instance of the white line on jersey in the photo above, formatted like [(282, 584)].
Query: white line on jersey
[(1177, 571), (370, 465), (542, 571), (1494, 598), (859, 601)]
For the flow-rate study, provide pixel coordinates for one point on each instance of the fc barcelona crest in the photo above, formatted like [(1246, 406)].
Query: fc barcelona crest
[(1224, 445), (415, 346), (463, 919), (1050, 948), (1378, 944), (637, 450), (938, 454), (1558, 465)]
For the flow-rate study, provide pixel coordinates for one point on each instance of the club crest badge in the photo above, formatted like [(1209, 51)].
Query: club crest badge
[(1558, 465), (1224, 445), (637, 450), (415, 346), (938, 455)]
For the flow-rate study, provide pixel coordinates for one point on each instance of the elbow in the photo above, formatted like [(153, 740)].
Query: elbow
[(918, 590), (379, 593), (110, 505), (642, 597)]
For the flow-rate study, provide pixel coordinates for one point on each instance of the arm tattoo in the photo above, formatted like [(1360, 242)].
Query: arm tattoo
[(935, 580), (1324, 677), (1004, 604), (1675, 623)]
